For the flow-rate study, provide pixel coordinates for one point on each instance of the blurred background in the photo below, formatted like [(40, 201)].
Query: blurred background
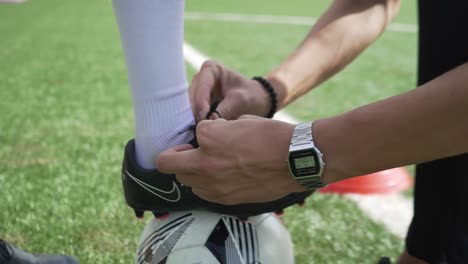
[(65, 115)]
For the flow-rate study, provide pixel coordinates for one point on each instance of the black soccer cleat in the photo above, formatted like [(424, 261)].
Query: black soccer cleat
[(151, 190), (10, 254)]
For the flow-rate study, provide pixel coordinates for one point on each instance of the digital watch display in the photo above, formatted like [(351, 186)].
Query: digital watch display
[(305, 160)]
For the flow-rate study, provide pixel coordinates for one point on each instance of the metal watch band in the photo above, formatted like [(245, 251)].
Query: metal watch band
[(302, 134), (302, 138)]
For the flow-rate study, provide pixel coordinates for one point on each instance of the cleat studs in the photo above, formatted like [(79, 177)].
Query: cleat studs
[(139, 214), (161, 216)]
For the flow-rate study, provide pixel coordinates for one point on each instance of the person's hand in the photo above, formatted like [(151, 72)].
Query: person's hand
[(238, 94), (241, 161)]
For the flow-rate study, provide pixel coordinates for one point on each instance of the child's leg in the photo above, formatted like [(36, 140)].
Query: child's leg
[(152, 39)]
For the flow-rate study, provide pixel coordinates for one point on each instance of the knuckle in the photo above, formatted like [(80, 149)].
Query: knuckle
[(204, 131), (208, 64)]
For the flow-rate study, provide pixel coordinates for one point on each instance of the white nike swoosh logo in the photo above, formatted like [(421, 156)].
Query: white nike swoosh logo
[(165, 195)]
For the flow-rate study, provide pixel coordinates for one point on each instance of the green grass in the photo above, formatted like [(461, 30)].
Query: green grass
[(66, 114)]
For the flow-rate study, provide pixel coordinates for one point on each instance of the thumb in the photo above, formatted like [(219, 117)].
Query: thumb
[(251, 117)]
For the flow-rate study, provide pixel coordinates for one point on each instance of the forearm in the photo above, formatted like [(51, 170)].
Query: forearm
[(341, 33), (427, 123)]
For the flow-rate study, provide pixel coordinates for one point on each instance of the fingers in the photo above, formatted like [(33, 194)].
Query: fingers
[(182, 147), (250, 117), (179, 159), (232, 106), (203, 85)]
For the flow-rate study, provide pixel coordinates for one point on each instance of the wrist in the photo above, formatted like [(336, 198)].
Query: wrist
[(262, 99), (327, 138), (292, 185), (266, 85), (280, 88)]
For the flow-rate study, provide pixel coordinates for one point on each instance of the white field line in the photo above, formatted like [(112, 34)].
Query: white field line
[(393, 210), (12, 1), (277, 20)]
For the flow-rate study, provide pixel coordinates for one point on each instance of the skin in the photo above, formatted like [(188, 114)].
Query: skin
[(413, 127)]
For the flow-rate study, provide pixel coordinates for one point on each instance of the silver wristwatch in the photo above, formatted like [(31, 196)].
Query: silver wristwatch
[(305, 160)]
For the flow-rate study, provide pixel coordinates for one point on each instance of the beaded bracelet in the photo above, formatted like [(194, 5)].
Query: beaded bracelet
[(269, 88)]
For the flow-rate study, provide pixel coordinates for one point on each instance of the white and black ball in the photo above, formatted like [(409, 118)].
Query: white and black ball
[(199, 237)]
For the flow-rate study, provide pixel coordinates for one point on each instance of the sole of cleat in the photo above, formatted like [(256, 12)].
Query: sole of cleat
[(160, 216)]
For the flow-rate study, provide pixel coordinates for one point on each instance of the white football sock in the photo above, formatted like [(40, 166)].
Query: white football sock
[(152, 38)]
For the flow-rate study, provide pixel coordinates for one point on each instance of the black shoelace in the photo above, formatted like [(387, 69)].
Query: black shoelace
[(193, 128), (5, 252)]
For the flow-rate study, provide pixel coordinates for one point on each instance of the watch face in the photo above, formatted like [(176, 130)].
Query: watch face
[(304, 162)]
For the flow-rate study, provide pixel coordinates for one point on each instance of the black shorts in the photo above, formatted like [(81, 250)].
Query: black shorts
[(439, 230)]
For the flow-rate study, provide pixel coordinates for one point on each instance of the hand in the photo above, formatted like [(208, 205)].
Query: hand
[(238, 94), (241, 161)]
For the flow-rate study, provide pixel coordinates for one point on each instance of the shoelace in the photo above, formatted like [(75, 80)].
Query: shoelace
[(212, 110), (213, 107), (192, 128), (5, 253)]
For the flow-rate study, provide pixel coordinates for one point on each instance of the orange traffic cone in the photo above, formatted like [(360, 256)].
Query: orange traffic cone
[(388, 181)]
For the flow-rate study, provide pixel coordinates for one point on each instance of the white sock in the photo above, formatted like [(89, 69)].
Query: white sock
[(152, 38)]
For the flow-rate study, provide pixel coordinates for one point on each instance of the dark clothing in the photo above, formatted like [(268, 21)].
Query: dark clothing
[(443, 37), (439, 231)]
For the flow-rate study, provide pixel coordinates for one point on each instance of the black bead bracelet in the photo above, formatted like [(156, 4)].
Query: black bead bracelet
[(274, 98)]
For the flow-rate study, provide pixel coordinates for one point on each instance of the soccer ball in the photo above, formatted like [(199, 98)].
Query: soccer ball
[(199, 237)]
